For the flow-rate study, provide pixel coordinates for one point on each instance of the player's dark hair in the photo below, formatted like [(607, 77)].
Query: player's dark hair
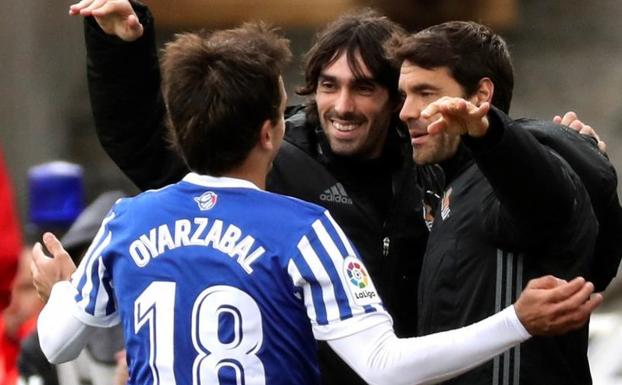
[(219, 89), (469, 50), (363, 32)]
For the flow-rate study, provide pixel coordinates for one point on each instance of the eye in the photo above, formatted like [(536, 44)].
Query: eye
[(365, 88), (327, 85), (427, 94)]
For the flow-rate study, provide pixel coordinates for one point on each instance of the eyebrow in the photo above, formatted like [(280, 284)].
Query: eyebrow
[(421, 87), (364, 80)]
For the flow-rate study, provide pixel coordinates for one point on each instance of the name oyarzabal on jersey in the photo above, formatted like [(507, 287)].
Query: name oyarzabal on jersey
[(199, 231)]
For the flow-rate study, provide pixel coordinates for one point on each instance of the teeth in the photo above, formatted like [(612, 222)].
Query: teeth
[(344, 127)]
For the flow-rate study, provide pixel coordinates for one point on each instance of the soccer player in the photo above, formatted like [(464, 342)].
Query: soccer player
[(219, 282)]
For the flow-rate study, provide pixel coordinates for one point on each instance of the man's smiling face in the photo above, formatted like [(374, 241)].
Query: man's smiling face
[(355, 113)]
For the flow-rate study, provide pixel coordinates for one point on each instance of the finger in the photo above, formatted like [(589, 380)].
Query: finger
[(74, 9), (576, 125), (37, 254), (482, 110), (54, 246), (134, 24), (87, 11), (437, 126), (431, 110), (557, 119), (602, 146), (577, 299), (111, 7), (545, 282), (568, 118), (579, 316), (589, 131), (566, 290)]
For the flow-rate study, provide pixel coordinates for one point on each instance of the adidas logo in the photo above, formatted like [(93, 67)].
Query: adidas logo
[(336, 194)]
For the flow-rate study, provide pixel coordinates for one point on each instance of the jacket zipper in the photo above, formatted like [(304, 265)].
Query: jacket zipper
[(386, 242)]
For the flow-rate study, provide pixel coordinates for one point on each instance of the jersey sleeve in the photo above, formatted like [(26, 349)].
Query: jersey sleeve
[(92, 280), (339, 295)]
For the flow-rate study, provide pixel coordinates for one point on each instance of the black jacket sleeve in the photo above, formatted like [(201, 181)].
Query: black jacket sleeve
[(124, 87), (540, 200)]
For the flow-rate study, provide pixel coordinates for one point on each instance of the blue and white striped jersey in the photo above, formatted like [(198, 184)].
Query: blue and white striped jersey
[(218, 282)]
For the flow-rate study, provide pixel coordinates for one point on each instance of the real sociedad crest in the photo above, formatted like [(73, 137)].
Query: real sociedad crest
[(207, 200)]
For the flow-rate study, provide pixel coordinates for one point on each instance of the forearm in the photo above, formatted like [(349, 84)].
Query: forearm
[(527, 177), (61, 335), (124, 87), (378, 356)]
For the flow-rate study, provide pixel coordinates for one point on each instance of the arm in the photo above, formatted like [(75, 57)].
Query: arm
[(62, 336), (124, 88), (527, 178), (75, 307), (326, 261), (379, 357)]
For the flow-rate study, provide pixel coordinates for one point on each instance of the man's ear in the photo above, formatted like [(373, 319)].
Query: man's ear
[(266, 135), (485, 91)]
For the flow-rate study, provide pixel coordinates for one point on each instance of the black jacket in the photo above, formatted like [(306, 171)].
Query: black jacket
[(512, 210), (376, 202)]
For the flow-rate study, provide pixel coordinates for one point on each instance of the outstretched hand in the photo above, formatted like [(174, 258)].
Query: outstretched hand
[(457, 116), (115, 17), (46, 271), (551, 306), (571, 120)]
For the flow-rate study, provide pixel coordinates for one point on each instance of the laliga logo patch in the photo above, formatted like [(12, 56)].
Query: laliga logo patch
[(207, 200), (360, 286)]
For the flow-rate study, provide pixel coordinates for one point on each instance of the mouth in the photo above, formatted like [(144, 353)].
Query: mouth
[(344, 126), (418, 138)]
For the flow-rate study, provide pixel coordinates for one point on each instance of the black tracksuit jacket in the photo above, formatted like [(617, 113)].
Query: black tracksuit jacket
[(376, 202), (512, 210)]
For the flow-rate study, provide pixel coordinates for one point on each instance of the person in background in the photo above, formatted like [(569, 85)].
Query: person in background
[(18, 320), (10, 237)]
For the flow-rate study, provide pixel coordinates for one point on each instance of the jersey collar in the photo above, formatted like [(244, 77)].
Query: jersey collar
[(220, 182)]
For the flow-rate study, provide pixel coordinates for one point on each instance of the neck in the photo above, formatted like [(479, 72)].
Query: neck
[(254, 169)]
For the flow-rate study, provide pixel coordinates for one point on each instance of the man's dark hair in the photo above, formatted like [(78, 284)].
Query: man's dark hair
[(469, 50), (219, 89), (364, 32)]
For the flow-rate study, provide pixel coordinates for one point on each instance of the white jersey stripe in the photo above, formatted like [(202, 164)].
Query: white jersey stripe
[(322, 277), (299, 281), (337, 260)]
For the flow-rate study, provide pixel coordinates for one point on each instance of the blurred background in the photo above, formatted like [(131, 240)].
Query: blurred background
[(567, 56)]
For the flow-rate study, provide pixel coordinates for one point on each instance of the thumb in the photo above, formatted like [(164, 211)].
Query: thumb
[(53, 245)]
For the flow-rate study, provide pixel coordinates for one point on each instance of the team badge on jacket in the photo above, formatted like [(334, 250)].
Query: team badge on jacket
[(445, 210), (207, 200)]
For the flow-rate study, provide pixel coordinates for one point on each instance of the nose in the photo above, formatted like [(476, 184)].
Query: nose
[(410, 110), (344, 102)]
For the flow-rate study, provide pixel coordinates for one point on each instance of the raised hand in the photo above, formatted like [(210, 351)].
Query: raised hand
[(457, 116), (47, 271), (551, 306), (571, 120), (115, 17)]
